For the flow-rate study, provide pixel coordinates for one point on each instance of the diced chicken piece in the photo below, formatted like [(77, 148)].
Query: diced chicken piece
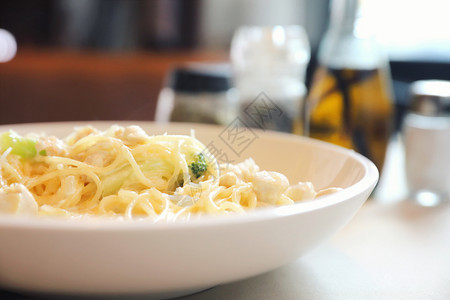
[(115, 131), (99, 159), (243, 170), (134, 135), (328, 191), (269, 186), (131, 135), (17, 199), (51, 146), (228, 179), (80, 132), (230, 168), (248, 169), (69, 186), (301, 191)]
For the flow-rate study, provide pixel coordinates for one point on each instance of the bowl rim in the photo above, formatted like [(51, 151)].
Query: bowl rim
[(92, 224)]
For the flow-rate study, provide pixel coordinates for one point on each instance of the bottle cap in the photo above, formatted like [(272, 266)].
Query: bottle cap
[(200, 78), (430, 97)]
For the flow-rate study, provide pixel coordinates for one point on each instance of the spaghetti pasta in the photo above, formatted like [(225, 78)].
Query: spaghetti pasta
[(125, 172)]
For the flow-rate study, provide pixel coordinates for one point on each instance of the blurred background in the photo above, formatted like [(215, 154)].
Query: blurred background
[(109, 59)]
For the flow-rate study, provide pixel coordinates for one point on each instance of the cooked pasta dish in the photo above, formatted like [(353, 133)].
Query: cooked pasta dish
[(125, 172)]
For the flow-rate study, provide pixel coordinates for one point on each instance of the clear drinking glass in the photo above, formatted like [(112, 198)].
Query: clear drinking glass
[(269, 65)]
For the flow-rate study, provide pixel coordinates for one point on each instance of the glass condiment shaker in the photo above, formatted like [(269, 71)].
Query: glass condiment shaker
[(350, 98), (426, 130), (200, 93), (269, 65)]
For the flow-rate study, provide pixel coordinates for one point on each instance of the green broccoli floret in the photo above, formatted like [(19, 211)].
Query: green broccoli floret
[(199, 166)]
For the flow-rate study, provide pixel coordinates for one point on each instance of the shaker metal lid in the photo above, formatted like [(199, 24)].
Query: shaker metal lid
[(200, 78), (430, 97)]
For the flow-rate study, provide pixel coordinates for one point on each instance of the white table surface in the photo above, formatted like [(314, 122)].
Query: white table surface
[(392, 249)]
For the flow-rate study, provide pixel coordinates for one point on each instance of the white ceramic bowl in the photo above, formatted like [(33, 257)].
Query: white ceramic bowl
[(54, 256)]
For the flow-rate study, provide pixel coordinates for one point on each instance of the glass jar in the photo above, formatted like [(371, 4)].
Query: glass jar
[(269, 65), (426, 134), (350, 98), (200, 93)]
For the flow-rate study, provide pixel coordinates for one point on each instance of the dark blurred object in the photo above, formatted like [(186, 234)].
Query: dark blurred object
[(431, 97), (32, 22), (169, 24), (406, 72), (200, 93), (112, 25), (198, 79), (97, 24)]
